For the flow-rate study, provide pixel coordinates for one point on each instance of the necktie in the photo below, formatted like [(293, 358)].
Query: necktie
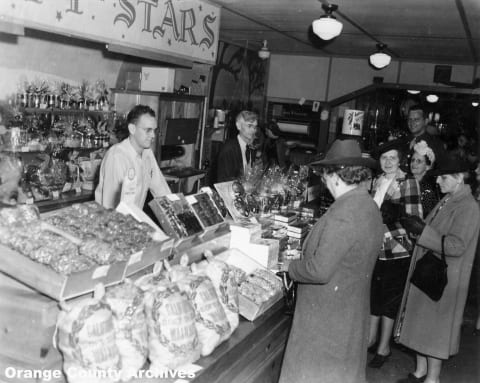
[(249, 155)]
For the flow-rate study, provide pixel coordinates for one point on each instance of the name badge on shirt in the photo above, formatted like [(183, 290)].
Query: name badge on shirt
[(129, 187)]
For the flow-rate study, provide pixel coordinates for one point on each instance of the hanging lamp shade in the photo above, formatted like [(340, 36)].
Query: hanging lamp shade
[(327, 26), (380, 59), (264, 53)]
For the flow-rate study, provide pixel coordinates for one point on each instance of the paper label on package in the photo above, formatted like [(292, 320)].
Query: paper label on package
[(100, 272), (191, 199), (129, 187), (173, 197), (135, 258)]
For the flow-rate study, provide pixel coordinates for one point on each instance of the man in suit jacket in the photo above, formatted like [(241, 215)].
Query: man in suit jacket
[(417, 124), (236, 155)]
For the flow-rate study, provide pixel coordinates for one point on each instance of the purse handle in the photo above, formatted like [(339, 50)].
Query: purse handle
[(443, 250)]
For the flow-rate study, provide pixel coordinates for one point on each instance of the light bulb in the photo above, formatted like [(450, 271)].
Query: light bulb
[(327, 27)]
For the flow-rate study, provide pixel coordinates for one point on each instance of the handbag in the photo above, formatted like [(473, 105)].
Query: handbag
[(430, 274)]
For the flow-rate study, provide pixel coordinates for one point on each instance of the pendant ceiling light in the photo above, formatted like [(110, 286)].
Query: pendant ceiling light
[(432, 98), (380, 59), (327, 26), (264, 53)]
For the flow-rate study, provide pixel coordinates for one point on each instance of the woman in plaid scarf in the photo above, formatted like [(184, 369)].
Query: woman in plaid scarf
[(397, 194)]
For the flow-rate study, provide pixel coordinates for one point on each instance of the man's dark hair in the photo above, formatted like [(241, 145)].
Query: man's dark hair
[(137, 112), (418, 107)]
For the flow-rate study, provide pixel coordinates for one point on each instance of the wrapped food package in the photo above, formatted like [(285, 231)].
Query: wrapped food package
[(226, 287), (127, 304), (86, 338), (210, 318), (172, 335)]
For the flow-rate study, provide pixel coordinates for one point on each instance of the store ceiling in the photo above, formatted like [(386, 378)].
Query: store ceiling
[(438, 31)]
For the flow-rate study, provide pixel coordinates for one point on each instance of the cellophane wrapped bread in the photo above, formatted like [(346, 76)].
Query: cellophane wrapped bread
[(226, 287), (127, 304), (86, 338), (210, 319), (172, 335)]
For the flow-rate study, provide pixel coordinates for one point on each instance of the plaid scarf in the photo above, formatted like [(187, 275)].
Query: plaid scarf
[(405, 191)]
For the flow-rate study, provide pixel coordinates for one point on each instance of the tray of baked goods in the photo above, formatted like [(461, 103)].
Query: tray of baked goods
[(258, 287), (65, 254)]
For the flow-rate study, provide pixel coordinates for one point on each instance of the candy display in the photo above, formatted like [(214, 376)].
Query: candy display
[(176, 216), (262, 191), (205, 209)]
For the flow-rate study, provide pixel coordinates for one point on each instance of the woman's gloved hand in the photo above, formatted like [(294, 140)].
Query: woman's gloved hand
[(391, 212), (413, 224)]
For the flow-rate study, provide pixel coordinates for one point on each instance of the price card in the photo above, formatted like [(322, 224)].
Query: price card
[(135, 258), (25, 149), (77, 186), (67, 187), (191, 199), (29, 201), (100, 272), (55, 194), (173, 197)]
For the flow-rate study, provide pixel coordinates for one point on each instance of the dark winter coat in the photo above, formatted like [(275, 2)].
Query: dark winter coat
[(328, 339), (433, 328)]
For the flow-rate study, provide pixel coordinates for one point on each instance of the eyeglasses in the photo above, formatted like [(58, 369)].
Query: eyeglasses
[(147, 130)]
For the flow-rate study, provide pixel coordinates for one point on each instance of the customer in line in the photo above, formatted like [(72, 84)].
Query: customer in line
[(328, 338), (476, 331), (129, 168), (417, 125), (422, 161), (432, 329), (396, 193)]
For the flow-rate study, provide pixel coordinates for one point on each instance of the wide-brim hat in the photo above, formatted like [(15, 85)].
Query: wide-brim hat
[(345, 152), (399, 145), (450, 165)]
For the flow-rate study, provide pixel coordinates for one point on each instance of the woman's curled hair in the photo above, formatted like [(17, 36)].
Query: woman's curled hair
[(349, 174)]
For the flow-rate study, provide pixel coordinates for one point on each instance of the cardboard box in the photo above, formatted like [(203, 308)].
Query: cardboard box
[(157, 79), (167, 209), (265, 251), (27, 324), (133, 80), (244, 233), (248, 309), (57, 286)]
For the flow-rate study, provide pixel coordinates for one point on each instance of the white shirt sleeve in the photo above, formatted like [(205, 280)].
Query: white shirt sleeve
[(159, 186)]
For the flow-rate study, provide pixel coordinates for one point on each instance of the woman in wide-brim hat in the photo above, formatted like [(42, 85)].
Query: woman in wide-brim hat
[(327, 341), (396, 193), (430, 328)]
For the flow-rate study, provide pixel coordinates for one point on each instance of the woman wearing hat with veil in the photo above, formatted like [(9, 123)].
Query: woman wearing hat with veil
[(329, 332)]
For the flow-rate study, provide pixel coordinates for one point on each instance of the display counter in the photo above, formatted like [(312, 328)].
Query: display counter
[(253, 354)]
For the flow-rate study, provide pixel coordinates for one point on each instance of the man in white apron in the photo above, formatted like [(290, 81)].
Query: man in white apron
[(129, 168)]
